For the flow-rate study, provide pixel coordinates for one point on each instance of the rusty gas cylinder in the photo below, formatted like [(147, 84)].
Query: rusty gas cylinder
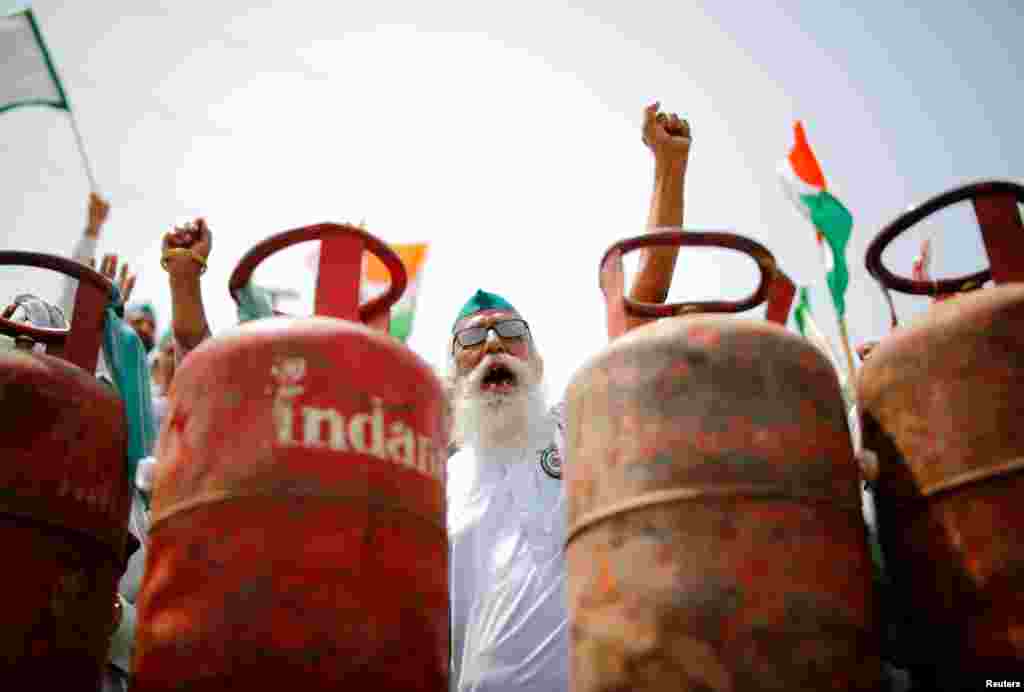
[(942, 403), (64, 495), (298, 535), (716, 540)]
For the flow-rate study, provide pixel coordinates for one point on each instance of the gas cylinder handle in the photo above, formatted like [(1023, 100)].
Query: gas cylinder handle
[(774, 286), (80, 344), (349, 243), (995, 205)]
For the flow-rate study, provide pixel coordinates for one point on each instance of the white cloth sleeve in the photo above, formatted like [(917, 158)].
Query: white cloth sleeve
[(84, 250)]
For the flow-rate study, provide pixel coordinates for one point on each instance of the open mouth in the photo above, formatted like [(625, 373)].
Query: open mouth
[(499, 378)]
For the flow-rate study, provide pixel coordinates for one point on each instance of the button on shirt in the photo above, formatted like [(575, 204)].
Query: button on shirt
[(506, 527)]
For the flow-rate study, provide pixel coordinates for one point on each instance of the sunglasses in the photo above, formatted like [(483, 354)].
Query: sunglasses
[(506, 329)]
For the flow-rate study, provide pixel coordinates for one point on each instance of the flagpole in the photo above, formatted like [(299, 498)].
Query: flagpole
[(844, 336), (63, 103), (846, 344), (81, 150)]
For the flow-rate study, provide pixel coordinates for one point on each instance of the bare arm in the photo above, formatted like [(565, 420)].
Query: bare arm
[(668, 138), (85, 250), (188, 316)]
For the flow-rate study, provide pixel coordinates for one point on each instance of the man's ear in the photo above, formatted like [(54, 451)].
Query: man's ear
[(539, 364)]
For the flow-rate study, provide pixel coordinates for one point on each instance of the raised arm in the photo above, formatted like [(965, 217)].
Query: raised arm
[(85, 249), (668, 138), (185, 252)]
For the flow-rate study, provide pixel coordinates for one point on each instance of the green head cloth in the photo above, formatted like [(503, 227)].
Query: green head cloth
[(482, 300), (143, 309)]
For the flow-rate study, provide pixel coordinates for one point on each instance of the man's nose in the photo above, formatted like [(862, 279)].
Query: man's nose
[(494, 343)]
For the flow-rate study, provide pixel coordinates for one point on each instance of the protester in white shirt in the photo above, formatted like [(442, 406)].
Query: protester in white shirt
[(506, 501), (506, 508)]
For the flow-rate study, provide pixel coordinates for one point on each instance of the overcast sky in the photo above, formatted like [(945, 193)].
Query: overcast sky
[(508, 136)]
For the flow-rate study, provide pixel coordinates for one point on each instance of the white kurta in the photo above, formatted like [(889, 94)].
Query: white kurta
[(506, 526)]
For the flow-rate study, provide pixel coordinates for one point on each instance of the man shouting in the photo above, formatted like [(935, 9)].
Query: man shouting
[(506, 501)]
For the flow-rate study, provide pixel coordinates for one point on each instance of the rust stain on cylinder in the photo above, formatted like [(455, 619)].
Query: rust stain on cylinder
[(942, 402), (716, 541)]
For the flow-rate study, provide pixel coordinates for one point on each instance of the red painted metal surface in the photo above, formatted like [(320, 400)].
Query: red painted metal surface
[(64, 496), (941, 404), (716, 539), (624, 313), (298, 532)]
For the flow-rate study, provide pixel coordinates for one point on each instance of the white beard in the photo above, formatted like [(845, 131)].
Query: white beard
[(499, 420)]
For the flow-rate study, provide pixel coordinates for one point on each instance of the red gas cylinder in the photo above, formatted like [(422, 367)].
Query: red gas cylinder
[(298, 537), (64, 495), (716, 540), (942, 402)]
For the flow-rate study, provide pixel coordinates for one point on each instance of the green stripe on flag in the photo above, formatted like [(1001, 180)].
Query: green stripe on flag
[(49, 61), (834, 222), (28, 76)]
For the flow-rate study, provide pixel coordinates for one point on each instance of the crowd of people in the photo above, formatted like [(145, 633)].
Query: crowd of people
[(506, 499)]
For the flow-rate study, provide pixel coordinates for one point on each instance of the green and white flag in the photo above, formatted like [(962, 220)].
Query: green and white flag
[(27, 74)]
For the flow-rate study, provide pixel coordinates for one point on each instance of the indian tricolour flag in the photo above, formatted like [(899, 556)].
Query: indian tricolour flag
[(804, 182), (376, 278), (27, 74)]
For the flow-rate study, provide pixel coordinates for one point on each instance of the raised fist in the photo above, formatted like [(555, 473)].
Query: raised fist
[(666, 135), (99, 209), (194, 236)]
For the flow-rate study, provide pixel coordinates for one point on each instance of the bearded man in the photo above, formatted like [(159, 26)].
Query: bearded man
[(506, 501)]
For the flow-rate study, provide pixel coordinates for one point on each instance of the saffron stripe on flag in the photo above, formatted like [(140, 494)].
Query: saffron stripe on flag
[(412, 257), (803, 161)]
